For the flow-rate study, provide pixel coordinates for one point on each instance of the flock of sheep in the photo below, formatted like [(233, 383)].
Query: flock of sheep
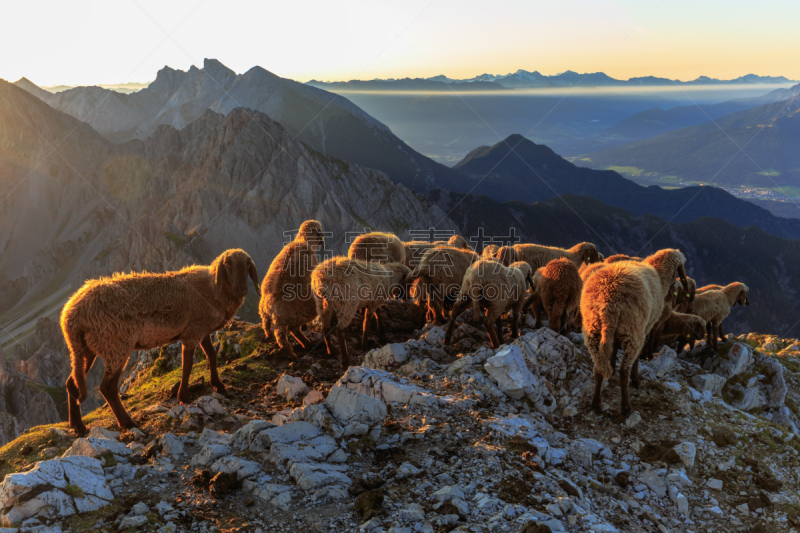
[(620, 303)]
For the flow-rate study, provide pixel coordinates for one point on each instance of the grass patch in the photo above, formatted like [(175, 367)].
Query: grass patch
[(74, 490)]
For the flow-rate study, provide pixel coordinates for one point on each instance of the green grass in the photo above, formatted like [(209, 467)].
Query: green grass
[(74, 490)]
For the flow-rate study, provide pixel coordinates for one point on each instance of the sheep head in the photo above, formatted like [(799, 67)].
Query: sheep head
[(402, 279), (232, 268), (669, 264), (687, 298), (674, 294), (527, 272), (311, 232), (506, 255), (587, 251), (742, 298), (457, 241)]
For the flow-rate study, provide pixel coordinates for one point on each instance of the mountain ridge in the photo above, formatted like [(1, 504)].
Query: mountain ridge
[(713, 150), (533, 172), (326, 122)]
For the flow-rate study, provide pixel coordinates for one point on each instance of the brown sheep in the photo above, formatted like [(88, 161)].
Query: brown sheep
[(489, 251), (111, 317), (538, 256), (457, 241), (439, 276), (714, 306), (376, 246), (707, 288), (620, 303), (686, 299), (557, 291), (621, 257), (343, 286), (679, 326), (286, 303), (506, 255), (497, 289)]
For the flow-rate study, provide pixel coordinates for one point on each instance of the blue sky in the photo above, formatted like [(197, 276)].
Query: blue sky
[(91, 42)]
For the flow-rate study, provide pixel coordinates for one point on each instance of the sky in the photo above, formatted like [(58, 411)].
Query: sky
[(101, 42)]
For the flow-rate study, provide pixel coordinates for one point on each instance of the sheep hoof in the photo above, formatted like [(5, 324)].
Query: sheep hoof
[(597, 408), (635, 383), (219, 388), (80, 431)]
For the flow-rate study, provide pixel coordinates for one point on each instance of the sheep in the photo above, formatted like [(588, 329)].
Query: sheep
[(707, 288), (682, 326), (286, 303), (376, 246), (557, 291), (496, 288), (457, 241), (587, 270), (714, 306), (685, 300), (439, 276), (489, 251), (654, 335), (342, 286), (538, 256), (622, 257), (620, 303), (414, 250), (113, 316), (506, 255)]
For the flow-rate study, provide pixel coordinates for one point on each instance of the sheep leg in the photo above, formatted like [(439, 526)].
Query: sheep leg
[(487, 323), (515, 324), (635, 381), (187, 360), (597, 404), (211, 355), (712, 339), (75, 419), (365, 332), (457, 310), (632, 349), (301, 339), (498, 324), (720, 334), (109, 388), (340, 336), (624, 381)]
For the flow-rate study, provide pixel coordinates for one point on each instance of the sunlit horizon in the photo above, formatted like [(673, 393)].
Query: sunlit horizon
[(94, 43)]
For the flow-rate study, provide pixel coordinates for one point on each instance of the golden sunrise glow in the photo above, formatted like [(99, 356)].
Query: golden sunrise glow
[(94, 42)]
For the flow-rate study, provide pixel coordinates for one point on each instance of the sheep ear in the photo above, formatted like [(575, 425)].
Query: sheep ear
[(254, 276), (220, 278)]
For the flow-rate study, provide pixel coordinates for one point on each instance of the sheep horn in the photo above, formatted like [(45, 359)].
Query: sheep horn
[(254, 276), (220, 279), (682, 275)]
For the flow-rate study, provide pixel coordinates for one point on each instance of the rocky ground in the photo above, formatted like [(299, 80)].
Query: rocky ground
[(417, 437)]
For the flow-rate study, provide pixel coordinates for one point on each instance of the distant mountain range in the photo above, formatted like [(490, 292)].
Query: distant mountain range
[(656, 121), (753, 147), (518, 169), (406, 84), (523, 79), (324, 121), (716, 251)]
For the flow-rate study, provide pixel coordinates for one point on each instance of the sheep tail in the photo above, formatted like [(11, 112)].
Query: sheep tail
[(606, 347), (78, 351)]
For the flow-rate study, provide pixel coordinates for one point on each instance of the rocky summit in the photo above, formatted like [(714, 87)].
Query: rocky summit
[(421, 437)]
